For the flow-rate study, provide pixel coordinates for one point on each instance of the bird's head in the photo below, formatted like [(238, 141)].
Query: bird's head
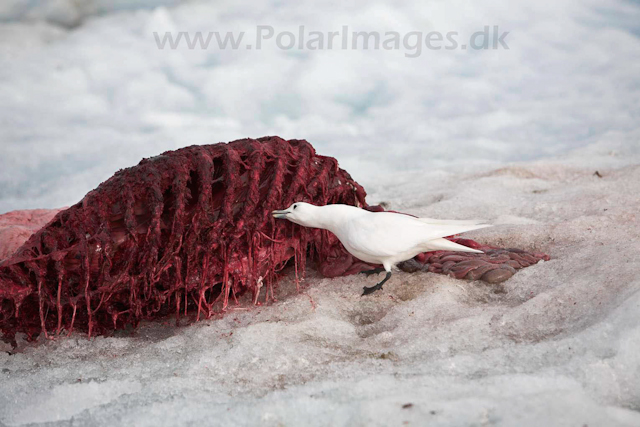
[(300, 213)]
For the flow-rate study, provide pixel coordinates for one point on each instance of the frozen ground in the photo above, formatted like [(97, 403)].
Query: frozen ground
[(558, 344)]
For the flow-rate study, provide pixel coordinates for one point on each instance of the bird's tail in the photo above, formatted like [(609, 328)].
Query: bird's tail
[(452, 221), (447, 245)]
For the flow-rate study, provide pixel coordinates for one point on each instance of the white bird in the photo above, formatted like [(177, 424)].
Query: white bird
[(385, 238)]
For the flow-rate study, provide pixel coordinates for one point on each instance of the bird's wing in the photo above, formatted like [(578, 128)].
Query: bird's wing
[(386, 234)]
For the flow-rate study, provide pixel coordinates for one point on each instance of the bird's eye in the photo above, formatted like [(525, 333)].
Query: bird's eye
[(295, 206)]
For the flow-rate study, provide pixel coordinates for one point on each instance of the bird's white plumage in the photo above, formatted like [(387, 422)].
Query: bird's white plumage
[(385, 238)]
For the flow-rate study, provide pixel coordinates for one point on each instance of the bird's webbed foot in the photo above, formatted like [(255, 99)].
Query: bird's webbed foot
[(372, 289)]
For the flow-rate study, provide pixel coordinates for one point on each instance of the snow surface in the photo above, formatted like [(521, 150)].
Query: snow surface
[(514, 137)]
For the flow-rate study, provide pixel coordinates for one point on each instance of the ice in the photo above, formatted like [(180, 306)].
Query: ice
[(80, 101), (70, 13), (512, 137)]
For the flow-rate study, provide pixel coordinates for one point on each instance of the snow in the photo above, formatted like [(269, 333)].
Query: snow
[(512, 137)]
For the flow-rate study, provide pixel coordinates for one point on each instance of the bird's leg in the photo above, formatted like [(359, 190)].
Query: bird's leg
[(373, 271), (372, 289)]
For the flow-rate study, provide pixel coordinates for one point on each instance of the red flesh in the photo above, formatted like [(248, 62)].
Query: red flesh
[(182, 232)]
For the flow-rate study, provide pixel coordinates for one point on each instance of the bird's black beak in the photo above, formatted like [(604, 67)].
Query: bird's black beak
[(279, 214)]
